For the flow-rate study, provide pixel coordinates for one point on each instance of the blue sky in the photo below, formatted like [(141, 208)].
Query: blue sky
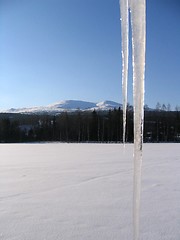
[(52, 50)]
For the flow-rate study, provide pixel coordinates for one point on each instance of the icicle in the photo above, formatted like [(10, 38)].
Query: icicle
[(138, 23), (125, 52)]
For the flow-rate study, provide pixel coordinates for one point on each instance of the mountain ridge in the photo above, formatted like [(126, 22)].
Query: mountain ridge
[(67, 106)]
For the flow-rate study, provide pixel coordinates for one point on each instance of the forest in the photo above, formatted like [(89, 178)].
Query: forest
[(95, 126)]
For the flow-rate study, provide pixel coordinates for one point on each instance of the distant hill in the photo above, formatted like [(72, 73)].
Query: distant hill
[(67, 106)]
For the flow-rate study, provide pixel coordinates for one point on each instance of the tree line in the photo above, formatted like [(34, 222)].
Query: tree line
[(96, 126)]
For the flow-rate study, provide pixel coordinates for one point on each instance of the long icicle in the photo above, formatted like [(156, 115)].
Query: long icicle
[(138, 23), (124, 12)]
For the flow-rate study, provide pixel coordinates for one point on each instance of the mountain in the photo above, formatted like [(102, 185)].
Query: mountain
[(67, 106)]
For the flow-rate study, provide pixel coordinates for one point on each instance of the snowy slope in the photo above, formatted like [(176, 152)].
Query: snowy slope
[(67, 105), (84, 192), (106, 105), (73, 105)]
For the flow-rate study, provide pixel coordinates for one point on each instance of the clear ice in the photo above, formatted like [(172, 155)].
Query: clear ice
[(138, 25)]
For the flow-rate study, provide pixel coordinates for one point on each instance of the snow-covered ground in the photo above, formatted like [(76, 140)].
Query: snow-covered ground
[(84, 192)]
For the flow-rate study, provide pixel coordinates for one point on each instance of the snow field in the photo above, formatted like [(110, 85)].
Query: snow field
[(84, 192)]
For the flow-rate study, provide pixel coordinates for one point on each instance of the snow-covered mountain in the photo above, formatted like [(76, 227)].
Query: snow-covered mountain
[(67, 105)]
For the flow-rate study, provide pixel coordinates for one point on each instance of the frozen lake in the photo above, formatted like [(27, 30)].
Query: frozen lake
[(84, 192)]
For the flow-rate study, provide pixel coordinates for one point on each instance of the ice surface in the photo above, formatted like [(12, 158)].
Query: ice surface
[(84, 192)]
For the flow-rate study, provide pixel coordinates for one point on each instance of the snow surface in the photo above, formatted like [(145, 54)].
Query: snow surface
[(73, 104), (84, 192)]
